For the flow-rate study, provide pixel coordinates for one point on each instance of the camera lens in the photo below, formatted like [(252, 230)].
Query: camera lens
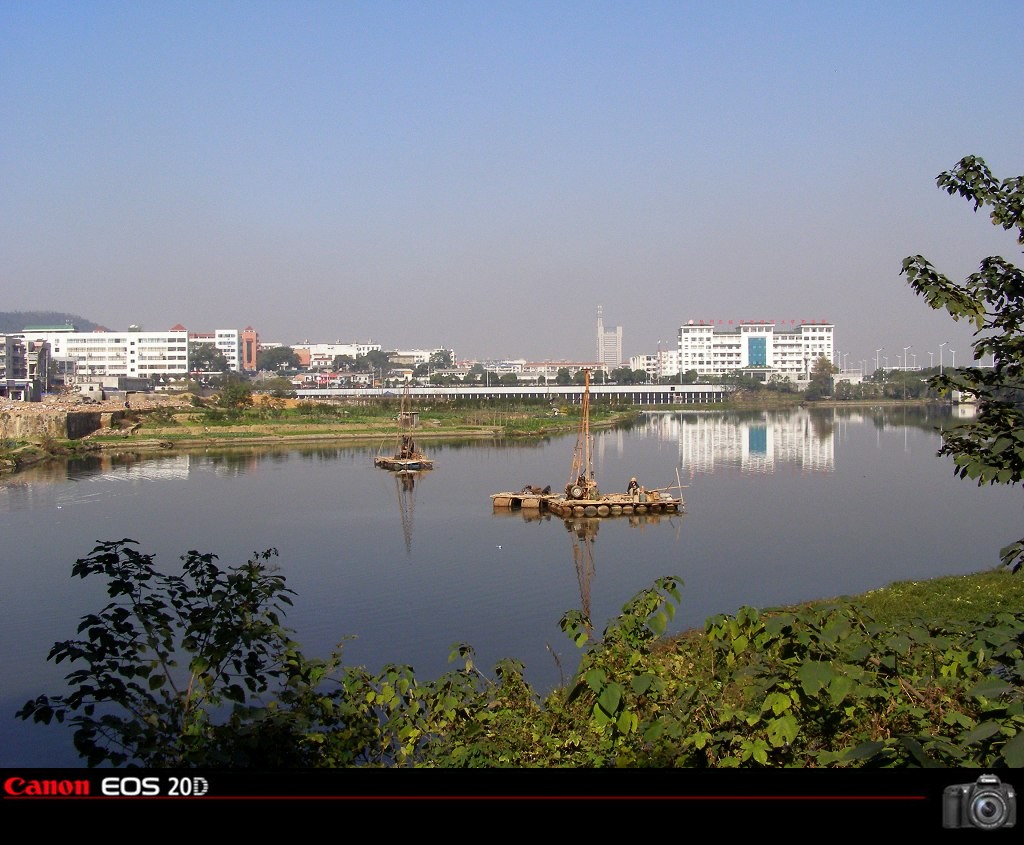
[(988, 810)]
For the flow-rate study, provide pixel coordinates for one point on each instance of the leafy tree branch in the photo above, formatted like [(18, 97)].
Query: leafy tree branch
[(989, 449)]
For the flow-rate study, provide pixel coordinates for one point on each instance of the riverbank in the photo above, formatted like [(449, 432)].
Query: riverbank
[(154, 422)]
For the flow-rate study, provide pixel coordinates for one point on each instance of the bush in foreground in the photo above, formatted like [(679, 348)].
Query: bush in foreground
[(197, 669)]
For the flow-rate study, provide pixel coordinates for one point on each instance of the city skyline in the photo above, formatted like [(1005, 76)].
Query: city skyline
[(906, 358), (483, 178)]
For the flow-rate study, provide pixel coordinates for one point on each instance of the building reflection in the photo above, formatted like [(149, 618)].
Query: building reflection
[(756, 442)]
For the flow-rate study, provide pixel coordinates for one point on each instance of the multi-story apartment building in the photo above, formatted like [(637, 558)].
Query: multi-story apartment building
[(226, 341), (663, 365), (757, 347), (129, 354), (24, 368)]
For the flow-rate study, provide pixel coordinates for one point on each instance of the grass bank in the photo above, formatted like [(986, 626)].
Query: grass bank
[(923, 673)]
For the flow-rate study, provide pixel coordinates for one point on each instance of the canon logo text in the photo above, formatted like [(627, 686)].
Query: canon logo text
[(40, 788)]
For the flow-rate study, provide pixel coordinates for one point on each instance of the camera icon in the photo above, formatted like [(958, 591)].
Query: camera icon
[(987, 804)]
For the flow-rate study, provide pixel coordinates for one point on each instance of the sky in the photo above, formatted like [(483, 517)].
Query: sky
[(483, 176)]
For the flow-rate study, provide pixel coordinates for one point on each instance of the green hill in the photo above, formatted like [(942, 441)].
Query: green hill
[(12, 322)]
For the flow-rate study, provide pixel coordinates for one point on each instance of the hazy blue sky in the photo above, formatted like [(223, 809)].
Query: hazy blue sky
[(483, 175)]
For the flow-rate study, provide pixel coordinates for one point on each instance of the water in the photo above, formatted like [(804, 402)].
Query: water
[(781, 508)]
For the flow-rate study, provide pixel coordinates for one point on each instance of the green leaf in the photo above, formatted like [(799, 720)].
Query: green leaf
[(595, 679), (627, 722), (814, 676), (701, 739), (865, 751), (1013, 751), (991, 688), (983, 731), (783, 731), (839, 688), (777, 702), (641, 683), (610, 698)]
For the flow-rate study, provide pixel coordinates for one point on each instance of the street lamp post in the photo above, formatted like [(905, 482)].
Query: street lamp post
[(952, 355), (880, 348), (944, 343), (931, 360), (905, 359)]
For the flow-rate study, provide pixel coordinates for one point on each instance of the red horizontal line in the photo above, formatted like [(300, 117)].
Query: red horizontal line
[(466, 797)]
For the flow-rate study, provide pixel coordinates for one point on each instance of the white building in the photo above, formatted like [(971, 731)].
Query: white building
[(321, 355), (757, 347), (549, 369), (415, 357), (130, 354), (663, 365), (226, 341), (609, 344)]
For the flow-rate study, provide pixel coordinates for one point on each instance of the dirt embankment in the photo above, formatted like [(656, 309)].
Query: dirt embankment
[(72, 417)]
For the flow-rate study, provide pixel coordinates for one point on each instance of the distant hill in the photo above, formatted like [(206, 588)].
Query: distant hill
[(12, 322)]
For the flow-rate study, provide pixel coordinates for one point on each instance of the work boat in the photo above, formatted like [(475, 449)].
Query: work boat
[(407, 457), (581, 496)]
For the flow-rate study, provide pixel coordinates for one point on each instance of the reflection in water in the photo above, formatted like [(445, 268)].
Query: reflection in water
[(759, 445), (584, 533), (87, 476), (767, 441), (405, 488)]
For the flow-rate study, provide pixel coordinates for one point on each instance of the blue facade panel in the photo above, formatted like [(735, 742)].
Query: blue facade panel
[(757, 351)]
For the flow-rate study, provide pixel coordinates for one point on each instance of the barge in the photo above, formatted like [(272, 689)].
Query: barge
[(581, 497)]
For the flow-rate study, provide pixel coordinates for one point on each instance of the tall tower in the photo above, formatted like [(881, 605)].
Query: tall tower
[(609, 344), (250, 348)]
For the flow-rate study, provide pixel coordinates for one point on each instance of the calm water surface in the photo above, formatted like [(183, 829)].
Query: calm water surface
[(780, 508)]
